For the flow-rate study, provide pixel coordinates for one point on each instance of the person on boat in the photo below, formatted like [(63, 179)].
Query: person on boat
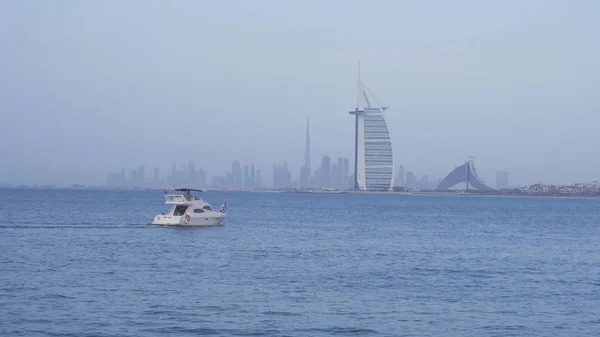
[(188, 196)]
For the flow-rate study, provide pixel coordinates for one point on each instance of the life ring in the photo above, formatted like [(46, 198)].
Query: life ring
[(187, 218)]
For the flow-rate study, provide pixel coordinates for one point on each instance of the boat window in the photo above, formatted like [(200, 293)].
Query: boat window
[(198, 210), (207, 208), (179, 210)]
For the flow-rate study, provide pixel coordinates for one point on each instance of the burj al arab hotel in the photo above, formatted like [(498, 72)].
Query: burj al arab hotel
[(373, 154)]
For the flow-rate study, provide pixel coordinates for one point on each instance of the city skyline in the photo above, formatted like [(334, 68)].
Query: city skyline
[(249, 177), (329, 175)]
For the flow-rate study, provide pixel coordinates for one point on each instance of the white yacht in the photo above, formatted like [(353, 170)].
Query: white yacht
[(188, 210)]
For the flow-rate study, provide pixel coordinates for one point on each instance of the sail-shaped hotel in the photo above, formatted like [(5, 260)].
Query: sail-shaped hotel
[(373, 154)]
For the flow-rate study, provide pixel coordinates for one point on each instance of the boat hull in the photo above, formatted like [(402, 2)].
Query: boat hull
[(197, 221)]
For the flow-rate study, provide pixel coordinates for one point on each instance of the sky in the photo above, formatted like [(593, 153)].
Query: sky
[(88, 87)]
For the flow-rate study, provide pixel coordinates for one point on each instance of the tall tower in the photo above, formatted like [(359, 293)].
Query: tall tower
[(307, 151), (305, 171), (358, 122), (373, 153), (400, 177)]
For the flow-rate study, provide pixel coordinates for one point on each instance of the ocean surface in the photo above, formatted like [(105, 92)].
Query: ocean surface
[(88, 263)]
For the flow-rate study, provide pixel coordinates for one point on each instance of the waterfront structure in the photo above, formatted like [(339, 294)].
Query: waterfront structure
[(465, 173), (373, 153)]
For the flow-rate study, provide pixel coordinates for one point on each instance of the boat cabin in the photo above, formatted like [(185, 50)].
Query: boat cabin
[(186, 203), (179, 210), (178, 198)]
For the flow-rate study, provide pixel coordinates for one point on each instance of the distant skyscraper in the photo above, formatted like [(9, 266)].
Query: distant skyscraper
[(306, 171), (338, 173), (258, 180), (307, 148), (282, 177), (345, 173), (326, 171), (246, 176), (400, 176), (115, 179), (184, 176), (411, 179), (373, 154), (501, 179), (498, 180), (252, 176), (236, 174), (155, 176), (192, 175), (172, 178)]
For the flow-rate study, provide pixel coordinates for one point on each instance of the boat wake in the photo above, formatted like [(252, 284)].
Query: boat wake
[(82, 226)]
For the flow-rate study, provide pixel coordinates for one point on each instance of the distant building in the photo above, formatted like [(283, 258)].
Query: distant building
[(465, 173), (246, 176), (336, 173), (115, 179), (258, 181), (185, 176), (411, 180), (252, 183), (345, 174), (173, 177), (400, 176), (498, 180), (305, 171), (236, 174), (374, 157), (323, 174), (282, 177), (501, 180)]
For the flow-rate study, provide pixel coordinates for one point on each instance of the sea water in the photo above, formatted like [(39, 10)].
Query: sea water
[(89, 263)]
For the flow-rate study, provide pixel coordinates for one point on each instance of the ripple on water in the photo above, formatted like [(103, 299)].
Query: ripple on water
[(343, 331), (299, 265)]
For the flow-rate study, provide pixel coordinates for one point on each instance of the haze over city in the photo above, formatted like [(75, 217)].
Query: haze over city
[(93, 87)]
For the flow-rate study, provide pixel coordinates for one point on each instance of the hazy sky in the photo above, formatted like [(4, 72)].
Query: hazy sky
[(88, 87)]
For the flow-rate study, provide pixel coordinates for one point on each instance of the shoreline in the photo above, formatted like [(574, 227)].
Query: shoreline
[(334, 192)]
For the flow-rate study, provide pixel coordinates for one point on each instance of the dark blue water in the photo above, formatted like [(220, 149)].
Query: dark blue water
[(87, 263)]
